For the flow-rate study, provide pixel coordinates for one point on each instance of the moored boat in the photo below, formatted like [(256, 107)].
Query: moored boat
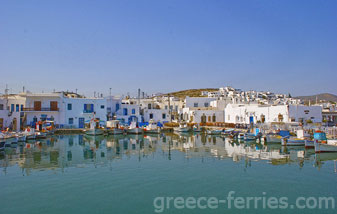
[(293, 142), (249, 136), (183, 127), (134, 129), (152, 128), (94, 128), (214, 131), (114, 128), (321, 145), (309, 144)]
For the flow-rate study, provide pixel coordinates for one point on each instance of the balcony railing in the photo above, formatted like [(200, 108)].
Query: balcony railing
[(40, 109)]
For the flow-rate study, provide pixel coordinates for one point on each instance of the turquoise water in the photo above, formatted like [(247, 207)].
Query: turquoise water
[(79, 174)]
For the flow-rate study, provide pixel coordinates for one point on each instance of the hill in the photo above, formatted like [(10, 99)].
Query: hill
[(191, 92), (320, 97)]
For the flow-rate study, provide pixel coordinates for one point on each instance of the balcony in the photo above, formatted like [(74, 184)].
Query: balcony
[(40, 109)]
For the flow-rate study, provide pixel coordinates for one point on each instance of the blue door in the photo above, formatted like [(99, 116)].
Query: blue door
[(81, 122), (251, 119)]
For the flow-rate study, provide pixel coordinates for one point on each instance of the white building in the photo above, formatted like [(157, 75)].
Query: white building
[(198, 102), (66, 110), (202, 115), (254, 113), (11, 112)]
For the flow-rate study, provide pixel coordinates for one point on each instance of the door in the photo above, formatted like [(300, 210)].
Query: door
[(14, 124), (251, 119), (53, 105), (81, 122), (1, 123), (37, 105)]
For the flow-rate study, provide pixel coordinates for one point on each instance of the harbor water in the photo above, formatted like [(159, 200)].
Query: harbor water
[(137, 173)]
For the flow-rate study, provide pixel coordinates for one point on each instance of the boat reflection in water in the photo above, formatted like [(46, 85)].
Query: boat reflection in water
[(62, 151)]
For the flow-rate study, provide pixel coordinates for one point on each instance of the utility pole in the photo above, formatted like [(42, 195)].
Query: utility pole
[(169, 106)]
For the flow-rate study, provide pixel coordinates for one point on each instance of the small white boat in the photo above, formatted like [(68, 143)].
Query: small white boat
[(273, 138), (322, 145), (324, 148), (94, 128), (114, 128), (183, 127), (152, 128), (214, 131), (134, 129), (293, 142)]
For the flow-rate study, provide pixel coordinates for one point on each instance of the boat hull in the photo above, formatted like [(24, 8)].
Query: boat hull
[(309, 144), (135, 131), (180, 129), (273, 139), (94, 132), (324, 148), (290, 142)]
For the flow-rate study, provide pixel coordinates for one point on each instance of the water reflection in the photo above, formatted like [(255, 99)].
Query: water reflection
[(62, 151)]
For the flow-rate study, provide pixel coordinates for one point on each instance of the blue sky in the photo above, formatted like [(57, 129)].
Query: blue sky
[(161, 46)]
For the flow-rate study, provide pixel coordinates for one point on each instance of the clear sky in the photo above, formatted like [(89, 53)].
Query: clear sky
[(167, 45)]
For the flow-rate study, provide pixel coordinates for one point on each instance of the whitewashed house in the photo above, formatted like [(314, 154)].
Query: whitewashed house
[(202, 115), (11, 112), (198, 102), (255, 113), (67, 110)]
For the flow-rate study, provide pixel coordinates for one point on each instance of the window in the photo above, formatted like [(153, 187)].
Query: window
[(88, 108), (151, 116), (117, 106), (21, 107), (71, 121), (164, 116), (70, 106), (206, 104), (102, 106), (133, 111), (17, 107), (12, 107), (165, 107), (1, 106), (125, 111), (209, 119), (149, 106), (195, 105)]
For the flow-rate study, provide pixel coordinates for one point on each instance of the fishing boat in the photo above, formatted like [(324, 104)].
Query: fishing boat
[(183, 127), (293, 141), (249, 136), (134, 128), (152, 128), (114, 128), (325, 148), (214, 131), (196, 128), (273, 138), (309, 144), (321, 143), (40, 135), (94, 128)]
